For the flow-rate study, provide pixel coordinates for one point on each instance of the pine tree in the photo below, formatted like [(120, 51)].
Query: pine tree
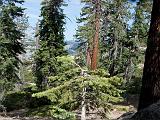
[(107, 48), (119, 48), (117, 35), (51, 40), (150, 82), (78, 89), (95, 44), (88, 33), (10, 40), (84, 34), (137, 39)]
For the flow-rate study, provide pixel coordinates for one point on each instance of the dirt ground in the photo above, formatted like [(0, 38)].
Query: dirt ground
[(22, 118), (19, 115), (16, 115), (118, 110)]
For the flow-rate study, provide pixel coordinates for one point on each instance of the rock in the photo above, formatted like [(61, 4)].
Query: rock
[(150, 113), (126, 116)]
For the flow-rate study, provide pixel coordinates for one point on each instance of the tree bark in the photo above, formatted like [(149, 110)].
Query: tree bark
[(88, 57), (37, 36), (96, 37), (114, 59), (150, 91), (83, 112)]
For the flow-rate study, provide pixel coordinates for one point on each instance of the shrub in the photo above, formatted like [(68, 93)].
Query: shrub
[(38, 102), (16, 100), (21, 100), (53, 112), (101, 92)]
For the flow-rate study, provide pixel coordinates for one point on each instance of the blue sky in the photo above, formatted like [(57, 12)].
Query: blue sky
[(72, 12)]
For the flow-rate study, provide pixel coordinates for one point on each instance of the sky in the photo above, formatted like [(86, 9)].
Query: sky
[(72, 12)]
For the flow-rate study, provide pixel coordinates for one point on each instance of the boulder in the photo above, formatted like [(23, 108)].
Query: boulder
[(126, 116), (150, 113)]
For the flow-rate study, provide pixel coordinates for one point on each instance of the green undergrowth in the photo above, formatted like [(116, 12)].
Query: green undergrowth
[(21, 100), (52, 111), (101, 92), (66, 89)]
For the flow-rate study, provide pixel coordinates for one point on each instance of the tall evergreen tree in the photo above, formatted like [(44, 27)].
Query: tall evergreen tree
[(10, 40), (104, 46), (137, 39), (89, 33), (150, 92), (95, 44), (51, 40), (116, 35)]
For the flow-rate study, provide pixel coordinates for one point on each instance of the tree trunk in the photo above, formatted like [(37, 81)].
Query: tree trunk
[(88, 57), (150, 91), (114, 59), (83, 112), (96, 37), (83, 103), (37, 36)]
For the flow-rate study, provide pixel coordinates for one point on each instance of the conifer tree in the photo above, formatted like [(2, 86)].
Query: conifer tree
[(137, 38), (10, 40), (51, 40), (112, 32), (78, 89), (117, 35), (95, 43), (150, 92), (88, 33)]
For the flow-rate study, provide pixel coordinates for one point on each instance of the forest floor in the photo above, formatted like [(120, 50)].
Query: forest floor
[(21, 118), (117, 111), (18, 115), (114, 115)]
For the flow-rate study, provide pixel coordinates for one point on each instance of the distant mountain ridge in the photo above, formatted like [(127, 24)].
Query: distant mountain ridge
[(71, 46)]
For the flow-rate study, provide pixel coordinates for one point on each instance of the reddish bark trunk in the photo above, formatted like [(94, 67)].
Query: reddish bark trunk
[(150, 91), (96, 38), (88, 60)]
